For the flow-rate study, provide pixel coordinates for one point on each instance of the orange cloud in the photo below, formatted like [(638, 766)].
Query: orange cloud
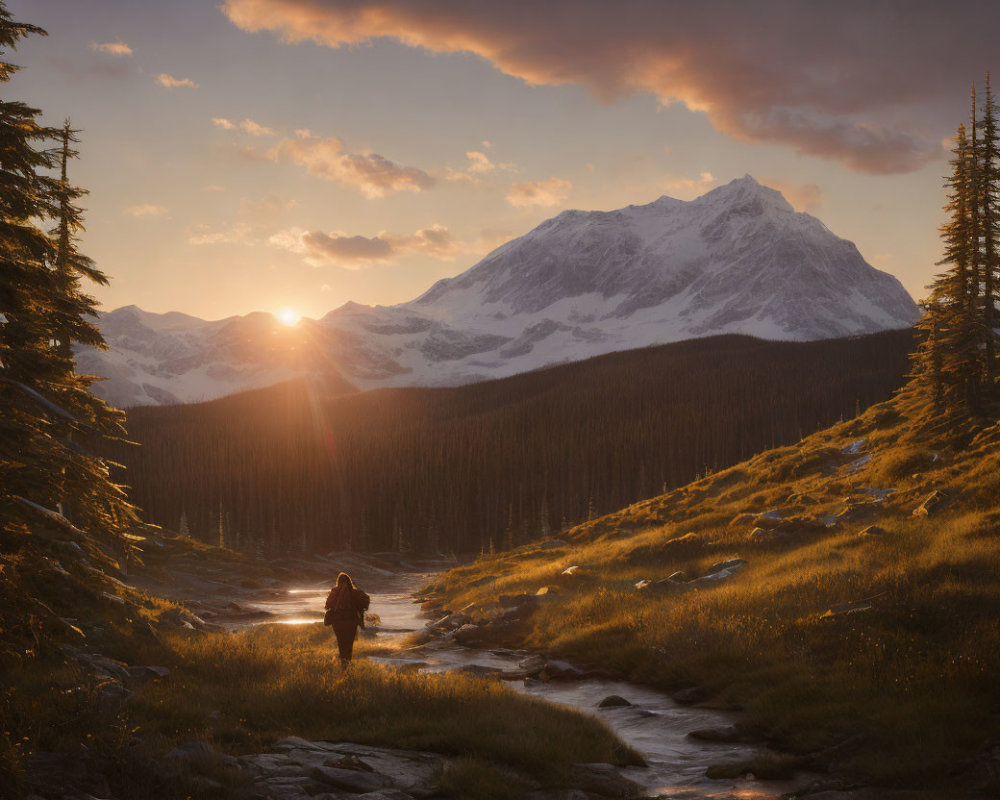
[(829, 80), (118, 48), (145, 210), (171, 82), (371, 174), (549, 192), (356, 252)]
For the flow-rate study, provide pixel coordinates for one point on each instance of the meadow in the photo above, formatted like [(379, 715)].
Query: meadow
[(859, 637)]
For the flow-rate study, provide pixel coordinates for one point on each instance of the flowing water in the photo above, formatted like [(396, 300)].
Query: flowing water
[(654, 724)]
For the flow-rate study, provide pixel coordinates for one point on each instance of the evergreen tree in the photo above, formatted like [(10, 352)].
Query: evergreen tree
[(950, 360), (989, 196), (47, 414)]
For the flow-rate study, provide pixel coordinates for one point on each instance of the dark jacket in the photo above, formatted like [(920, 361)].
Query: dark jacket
[(348, 606)]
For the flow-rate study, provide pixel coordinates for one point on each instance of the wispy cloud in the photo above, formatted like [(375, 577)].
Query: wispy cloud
[(248, 126), (175, 83), (118, 48), (238, 233), (550, 192), (370, 173), (356, 252), (478, 164), (687, 188), (145, 210), (252, 128), (796, 74)]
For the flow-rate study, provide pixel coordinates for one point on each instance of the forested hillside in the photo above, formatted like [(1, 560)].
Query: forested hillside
[(492, 464)]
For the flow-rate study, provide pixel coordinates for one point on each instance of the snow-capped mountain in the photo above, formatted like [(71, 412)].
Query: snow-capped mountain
[(738, 259)]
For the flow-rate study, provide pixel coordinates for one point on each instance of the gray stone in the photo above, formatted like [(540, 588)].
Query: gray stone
[(613, 701), (602, 779), (350, 780), (468, 633)]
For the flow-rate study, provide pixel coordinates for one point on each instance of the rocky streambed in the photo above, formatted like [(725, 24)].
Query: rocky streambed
[(650, 721)]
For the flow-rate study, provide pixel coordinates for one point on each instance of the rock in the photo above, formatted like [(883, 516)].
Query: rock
[(468, 633), (350, 780), (513, 675), (872, 530), (295, 743), (643, 584), (384, 794), (929, 504), (721, 570), (546, 591), (602, 779), (571, 571), (613, 701), (551, 544), (730, 734), (146, 674), (533, 664), (690, 696), (349, 762)]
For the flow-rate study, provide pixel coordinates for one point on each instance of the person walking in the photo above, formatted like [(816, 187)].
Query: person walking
[(345, 612)]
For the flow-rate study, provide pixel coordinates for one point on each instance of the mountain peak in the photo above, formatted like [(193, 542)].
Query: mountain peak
[(745, 191)]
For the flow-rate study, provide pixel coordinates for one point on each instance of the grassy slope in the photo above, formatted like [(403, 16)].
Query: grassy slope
[(915, 676), (262, 685)]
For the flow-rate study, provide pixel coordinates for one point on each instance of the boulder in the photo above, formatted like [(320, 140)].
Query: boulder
[(602, 779), (728, 734), (613, 701), (146, 674), (350, 780), (690, 695), (643, 584), (722, 570), (547, 591), (190, 751), (468, 633), (571, 571), (533, 664)]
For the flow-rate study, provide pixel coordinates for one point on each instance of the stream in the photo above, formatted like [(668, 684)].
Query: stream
[(654, 724)]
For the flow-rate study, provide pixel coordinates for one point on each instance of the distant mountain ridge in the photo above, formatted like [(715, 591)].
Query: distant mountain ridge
[(738, 259)]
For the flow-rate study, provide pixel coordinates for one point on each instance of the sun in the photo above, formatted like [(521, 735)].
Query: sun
[(288, 316)]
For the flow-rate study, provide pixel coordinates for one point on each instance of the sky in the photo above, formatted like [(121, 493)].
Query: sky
[(248, 155)]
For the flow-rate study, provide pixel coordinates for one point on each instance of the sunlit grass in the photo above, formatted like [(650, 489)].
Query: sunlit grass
[(918, 663)]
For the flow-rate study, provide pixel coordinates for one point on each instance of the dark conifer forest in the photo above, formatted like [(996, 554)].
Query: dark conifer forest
[(494, 464)]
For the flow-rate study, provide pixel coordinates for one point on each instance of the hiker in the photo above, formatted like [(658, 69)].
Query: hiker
[(345, 611)]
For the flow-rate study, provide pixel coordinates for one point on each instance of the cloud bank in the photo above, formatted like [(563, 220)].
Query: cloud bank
[(549, 192), (850, 81), (356, 252), (370, 173), (171, 82)]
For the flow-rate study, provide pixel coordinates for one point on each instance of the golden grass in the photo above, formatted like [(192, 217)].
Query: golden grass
[(921, 661)]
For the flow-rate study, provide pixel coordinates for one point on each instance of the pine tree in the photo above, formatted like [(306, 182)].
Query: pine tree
[(950, 358), (48, 417), (989, 196)]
